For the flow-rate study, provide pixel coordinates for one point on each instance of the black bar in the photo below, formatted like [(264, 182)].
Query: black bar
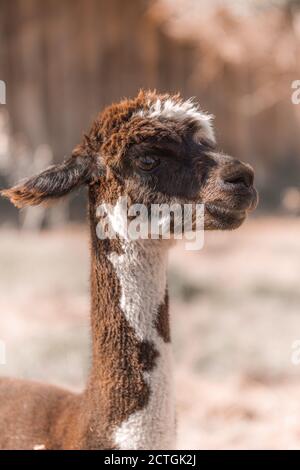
[(137, 459)]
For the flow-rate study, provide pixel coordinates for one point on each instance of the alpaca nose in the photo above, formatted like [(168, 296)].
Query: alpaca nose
[(237, 176)]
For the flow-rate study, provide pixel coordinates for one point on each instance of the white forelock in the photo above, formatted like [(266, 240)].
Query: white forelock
[(180, 110)]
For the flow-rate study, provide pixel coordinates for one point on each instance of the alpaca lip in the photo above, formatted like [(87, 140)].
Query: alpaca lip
[(241, 202), (254, 201), (239, 206), (218, 210)]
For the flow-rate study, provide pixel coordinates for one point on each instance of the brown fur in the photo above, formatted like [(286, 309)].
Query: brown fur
[(53, 183), (107, 160), (163, 321)]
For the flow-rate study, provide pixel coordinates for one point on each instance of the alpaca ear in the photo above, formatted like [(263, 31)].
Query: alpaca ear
[(53, 183)]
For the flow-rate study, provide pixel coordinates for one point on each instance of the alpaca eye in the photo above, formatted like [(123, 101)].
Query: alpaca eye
[(148, 163)]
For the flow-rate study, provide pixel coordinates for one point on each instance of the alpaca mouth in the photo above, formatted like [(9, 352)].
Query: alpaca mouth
[(217, 209), (230, 216), (254, 201), (221, 218), (239, 202)]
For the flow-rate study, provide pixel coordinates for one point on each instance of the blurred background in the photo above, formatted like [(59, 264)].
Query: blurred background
[(236, 304)]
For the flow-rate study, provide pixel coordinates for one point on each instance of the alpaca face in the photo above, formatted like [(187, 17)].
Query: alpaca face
[(154, 149), (162, 150)]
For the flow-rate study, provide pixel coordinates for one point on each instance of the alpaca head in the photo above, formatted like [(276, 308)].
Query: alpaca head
[(154, 149)]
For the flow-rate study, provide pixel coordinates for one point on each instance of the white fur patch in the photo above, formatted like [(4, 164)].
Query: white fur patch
[(180, 110), (141, 270)]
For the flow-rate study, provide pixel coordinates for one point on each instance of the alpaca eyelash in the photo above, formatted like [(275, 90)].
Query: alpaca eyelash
[(154, 162)]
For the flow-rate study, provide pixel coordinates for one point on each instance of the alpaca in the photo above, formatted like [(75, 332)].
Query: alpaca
[(153, 149)]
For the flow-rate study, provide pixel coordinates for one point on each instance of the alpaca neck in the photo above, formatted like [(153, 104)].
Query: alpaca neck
[(131, 380)]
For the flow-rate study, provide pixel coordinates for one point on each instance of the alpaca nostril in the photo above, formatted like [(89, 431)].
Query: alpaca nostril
[(244, 179), (241, 176)]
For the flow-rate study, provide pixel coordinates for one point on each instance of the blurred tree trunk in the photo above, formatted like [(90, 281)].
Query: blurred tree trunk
[(64, 60)]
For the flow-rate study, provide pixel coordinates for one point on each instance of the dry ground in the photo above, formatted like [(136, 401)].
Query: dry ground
[(236, 313)]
